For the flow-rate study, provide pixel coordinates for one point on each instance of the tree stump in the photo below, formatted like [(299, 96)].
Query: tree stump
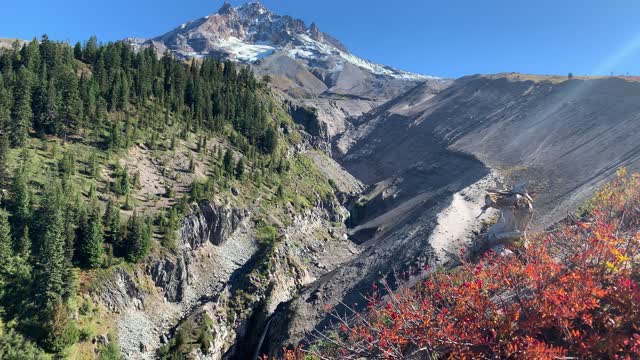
[(516, 209)]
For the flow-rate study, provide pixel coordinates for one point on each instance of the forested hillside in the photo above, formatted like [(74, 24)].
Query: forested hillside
[(74, 200)]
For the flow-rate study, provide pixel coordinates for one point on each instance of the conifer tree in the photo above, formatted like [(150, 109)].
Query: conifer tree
[(90, 50), (90, 238), (71, 112), (127, 205), (113, 234), (93, 165), (6, 244), (71, 217), (227, 163), (68, 163), (115, 135), (270, 141), (22, 114), (128, 132), (40, 103), (51, 111), (240, 169), (21, 201), (31, 55), (23, 247), (59, 327), (138, 239), (82, 221), (192, 165), (4, 149), (51, 258), (6, 99), (77, 51), (172, 145)]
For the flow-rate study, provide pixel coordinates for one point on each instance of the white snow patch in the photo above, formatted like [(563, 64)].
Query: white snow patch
[(244, 51), (312, 50), (300, 53)]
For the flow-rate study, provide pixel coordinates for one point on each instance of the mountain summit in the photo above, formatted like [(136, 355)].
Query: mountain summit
[(251, 32), (303, 61)]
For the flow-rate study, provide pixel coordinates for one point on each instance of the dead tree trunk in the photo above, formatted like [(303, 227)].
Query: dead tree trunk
[(516, 209)]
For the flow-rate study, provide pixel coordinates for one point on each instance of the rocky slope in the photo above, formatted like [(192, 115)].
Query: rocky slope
[(305, 63), (221, 270), (425, 159), (565, 137), (8, 43)]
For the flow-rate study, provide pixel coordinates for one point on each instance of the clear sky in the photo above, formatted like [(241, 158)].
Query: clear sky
[(447, 38)]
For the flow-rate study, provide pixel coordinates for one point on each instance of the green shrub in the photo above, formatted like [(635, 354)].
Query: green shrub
[(266, 235), (14, 346), (111, 351)]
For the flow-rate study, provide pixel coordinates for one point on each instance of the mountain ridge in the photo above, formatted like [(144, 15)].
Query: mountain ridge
[(310, 67), (249, 32)]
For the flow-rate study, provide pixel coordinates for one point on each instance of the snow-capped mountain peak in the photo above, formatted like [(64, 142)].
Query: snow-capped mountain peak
[(250, 32), (308, 65)]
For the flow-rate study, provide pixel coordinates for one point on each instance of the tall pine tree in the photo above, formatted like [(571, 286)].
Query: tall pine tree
[(227, 163), (138, 239), (22, 115), (90, 238), (20, 201), (113, 232), (4, 150), (6, 245), (71, 113), (51, 262)]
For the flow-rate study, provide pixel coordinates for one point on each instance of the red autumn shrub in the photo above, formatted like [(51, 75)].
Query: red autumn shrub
[(573, 292)]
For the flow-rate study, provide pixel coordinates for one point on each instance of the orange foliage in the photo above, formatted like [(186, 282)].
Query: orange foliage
[(573, 292)]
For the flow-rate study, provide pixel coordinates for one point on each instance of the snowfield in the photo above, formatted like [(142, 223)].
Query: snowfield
[(245, 52), (251, 33)]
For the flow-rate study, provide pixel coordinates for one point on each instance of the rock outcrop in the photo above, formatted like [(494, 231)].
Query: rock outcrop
[(119, 291), (171, 275), (220, 269), (210, 223), (515, 212)]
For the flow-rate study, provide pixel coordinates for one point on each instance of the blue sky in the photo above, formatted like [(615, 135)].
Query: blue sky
[(448, 38)]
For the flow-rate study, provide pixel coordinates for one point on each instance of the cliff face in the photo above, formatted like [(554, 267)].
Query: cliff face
[(210, 223), (221, 270), (153, 298)]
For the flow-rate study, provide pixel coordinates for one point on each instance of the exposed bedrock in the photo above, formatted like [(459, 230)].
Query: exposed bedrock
[(219, 268), (153, 298), (210, 223)]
